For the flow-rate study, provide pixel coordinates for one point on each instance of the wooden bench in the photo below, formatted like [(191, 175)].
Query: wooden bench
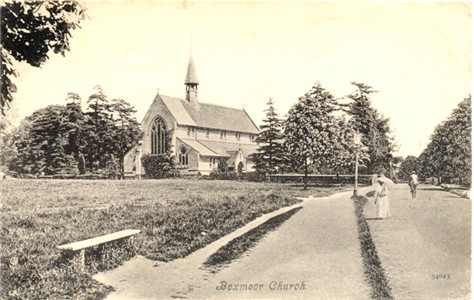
[(83, 245)]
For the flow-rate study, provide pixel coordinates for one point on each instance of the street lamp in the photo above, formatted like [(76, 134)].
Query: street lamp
[(357, 142)]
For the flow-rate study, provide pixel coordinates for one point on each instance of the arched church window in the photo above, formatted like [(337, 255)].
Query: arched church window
[(183, 157), (158, 136)]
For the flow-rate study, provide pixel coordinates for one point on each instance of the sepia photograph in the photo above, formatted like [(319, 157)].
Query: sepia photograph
[(239, 149)]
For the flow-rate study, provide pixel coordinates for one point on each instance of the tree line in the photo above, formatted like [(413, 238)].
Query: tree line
[(318, 135), (448, 156), (64, 139), (314, 137)]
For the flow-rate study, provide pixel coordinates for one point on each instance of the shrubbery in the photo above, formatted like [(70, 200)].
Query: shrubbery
[(228, 175), (253, 176), (159, 166), (231, 175)]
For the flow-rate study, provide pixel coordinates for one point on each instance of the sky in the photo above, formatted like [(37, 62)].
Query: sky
[(417, 55)]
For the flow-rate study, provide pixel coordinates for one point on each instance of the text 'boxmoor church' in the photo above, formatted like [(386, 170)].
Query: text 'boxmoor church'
[(203, 135)]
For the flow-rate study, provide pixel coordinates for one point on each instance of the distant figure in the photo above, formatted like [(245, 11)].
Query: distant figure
[(381, 198), (413, 183)]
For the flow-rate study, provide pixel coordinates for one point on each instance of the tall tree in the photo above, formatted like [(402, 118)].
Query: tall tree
[(29, 30), (449, 153), (312, 132), (375, 129), (100, 131), (127, 131), (74, 126), (41, 148), (270, 153)]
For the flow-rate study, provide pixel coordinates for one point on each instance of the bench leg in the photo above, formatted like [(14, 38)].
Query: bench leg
[(82, 259)]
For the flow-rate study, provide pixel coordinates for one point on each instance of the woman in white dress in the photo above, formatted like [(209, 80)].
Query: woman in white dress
[(381, 199)]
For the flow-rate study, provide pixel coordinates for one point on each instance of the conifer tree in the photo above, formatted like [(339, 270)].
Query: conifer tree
[(100, 131), (127, 131), (75, 120), (41, 149), (270, 154), (375, 129)]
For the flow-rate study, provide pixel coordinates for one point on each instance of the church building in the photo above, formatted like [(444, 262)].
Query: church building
[(203, 135)]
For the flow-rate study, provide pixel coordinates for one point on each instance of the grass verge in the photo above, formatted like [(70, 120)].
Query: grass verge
[(176, 217), (238, 246), (373, 270)]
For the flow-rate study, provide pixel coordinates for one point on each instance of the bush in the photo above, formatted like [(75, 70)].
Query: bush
[(253, 176), (159, 166), (218, 175)]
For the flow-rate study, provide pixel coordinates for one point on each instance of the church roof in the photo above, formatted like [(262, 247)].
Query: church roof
[(203, 150), (210, 116), (227, 149), (191, 76), (219, 149)]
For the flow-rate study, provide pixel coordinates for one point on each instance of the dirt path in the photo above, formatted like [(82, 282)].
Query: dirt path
[(313, 255), (142, 278), (425, 247)]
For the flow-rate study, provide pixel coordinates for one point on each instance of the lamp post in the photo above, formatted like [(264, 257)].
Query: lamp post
[(357, 141)]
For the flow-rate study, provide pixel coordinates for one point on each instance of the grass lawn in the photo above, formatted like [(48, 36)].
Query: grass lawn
[(176, 217)]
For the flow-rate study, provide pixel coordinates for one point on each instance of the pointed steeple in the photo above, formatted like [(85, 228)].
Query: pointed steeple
[(191, 83), (191, 77)]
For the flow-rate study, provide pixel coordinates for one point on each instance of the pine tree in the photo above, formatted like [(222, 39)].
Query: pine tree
[(270, 154), (374, 128), (127, 131), (41, 148), (75, 120), (99, 127)]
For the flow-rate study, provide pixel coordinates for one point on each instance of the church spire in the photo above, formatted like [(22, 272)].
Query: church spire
[(191, 82), (191, 77)]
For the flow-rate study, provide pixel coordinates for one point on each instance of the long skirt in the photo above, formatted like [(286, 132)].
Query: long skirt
[(383, 207)]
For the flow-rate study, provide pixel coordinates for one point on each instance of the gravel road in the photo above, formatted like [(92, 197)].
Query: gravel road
[(313, 255), (425, 246)]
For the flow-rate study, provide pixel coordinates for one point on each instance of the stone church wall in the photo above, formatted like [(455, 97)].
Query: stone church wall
[(193, 157), (158, 108)]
